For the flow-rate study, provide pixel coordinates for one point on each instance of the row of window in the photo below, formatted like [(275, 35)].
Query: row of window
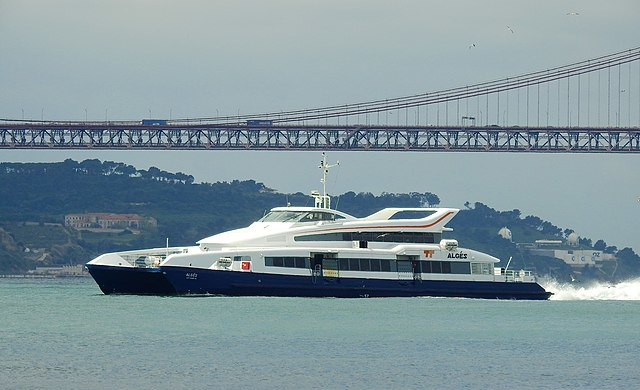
[(289, 262), (380, 265), (408, 237), (299, 216)]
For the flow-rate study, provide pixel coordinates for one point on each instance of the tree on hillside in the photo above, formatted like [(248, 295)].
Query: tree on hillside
[(600, 245), (91, 167), (628, 263), (585, 242)]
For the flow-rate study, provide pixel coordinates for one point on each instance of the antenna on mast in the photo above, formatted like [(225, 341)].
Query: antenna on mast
[(324, 201), (508, 262)]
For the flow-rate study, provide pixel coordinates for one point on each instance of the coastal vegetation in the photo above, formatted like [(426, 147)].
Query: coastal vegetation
[(37, 196)]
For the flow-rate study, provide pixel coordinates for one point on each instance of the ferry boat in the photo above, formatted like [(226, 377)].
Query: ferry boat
[(321, 252)]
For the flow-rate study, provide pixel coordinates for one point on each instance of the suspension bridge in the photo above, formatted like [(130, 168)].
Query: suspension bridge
[(585, 107)]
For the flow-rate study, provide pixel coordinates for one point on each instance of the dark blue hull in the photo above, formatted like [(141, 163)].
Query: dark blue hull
[(126, 280), (202, 281)]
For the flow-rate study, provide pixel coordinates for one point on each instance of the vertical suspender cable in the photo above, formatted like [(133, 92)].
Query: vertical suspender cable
[(578, 119), (609, 97), (619, 92)]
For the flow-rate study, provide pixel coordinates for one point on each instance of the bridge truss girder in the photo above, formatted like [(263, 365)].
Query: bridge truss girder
[(291, 137)]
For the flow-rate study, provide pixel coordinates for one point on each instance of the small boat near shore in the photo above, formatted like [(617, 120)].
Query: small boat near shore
[(321, 252)]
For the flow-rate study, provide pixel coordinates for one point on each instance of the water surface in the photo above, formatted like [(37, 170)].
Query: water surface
[(63, 333)]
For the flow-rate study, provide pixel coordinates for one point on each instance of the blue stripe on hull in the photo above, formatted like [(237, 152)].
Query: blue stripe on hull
[(126, 280), (203, 281)]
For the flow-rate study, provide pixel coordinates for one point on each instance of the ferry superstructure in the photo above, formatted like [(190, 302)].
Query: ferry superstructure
[(321, 252)]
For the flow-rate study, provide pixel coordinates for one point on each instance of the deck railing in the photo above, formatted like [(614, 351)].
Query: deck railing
[(149, 259), (514, 276)]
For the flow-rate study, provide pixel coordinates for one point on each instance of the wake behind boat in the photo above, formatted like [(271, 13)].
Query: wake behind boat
[(321, 252)]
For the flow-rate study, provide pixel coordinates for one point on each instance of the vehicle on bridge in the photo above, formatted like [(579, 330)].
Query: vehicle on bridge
[(154, 121), (259, 122)]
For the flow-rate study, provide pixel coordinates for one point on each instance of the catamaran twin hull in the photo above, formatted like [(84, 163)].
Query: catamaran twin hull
[(187, 280), (130, 280)]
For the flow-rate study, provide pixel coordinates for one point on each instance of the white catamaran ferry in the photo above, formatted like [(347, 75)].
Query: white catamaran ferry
[(321, 252)]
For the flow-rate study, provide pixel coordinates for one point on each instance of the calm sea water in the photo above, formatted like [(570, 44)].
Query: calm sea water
[(64, 334)]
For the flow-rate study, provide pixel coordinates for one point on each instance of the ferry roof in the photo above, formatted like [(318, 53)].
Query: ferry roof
[(288, 221)]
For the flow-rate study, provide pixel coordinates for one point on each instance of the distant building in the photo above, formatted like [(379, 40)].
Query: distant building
[(110, 221), (573, 239), (65, 270), (566, 251), (505, 233), (547, 243), (576, 257)]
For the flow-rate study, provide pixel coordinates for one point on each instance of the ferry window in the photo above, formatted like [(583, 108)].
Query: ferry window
[(385, 265), (412, 214), (446, 267), (481, 268), (290, 262), (354, 265), (317, 216), (308, 217), (282, 216), (301, 262), (327, 216), (404, 266), (330, 264), (364, 265), (375, 265), (364, 236), (436, 268), (344, 264), (460, 268), (426, 267), (320, 237), (409, 237)]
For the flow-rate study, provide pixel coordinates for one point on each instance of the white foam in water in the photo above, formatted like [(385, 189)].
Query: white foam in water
[(624, 291)]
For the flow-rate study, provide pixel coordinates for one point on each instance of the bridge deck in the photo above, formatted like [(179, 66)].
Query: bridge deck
[(309, 137)]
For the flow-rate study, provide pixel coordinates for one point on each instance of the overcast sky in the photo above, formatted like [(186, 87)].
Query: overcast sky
[(67, 60)]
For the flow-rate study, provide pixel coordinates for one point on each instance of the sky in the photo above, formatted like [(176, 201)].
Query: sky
[(77, 59)]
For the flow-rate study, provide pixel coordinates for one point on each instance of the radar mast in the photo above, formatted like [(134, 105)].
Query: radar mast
[(324, 200)]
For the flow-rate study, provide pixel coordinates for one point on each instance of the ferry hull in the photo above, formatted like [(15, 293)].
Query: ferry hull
[(127, 280), (186, 280)]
